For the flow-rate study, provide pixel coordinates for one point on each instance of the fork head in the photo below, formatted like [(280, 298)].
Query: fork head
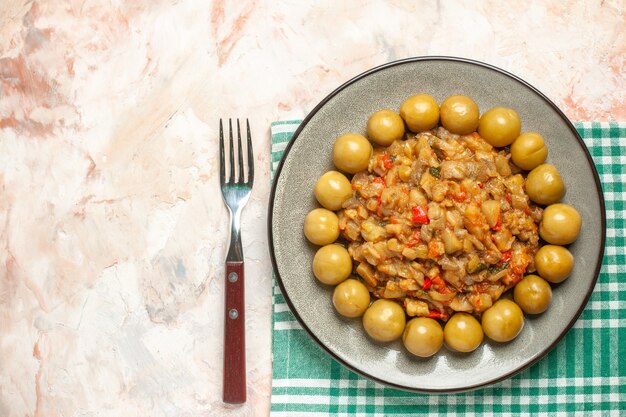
[(236, 189), (236, 186)]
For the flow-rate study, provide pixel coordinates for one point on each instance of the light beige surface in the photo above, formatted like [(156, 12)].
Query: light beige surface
[(113, 229)]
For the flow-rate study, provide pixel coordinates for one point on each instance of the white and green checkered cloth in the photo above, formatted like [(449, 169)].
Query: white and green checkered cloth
[(585, 374)]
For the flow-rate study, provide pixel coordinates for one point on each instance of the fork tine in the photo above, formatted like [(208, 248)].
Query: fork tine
[(222, 161), (231, 155), (250, 156), (239, 155)]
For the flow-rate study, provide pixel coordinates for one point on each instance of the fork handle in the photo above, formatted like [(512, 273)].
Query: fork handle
[(234, 335)]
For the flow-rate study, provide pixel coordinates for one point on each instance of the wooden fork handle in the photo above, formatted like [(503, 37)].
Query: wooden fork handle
[(234, 336)]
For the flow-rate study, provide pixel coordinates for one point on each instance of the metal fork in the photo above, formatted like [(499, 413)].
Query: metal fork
[(235, 192)]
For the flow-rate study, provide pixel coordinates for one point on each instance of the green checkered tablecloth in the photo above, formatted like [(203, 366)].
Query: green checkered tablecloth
[(308, 382)]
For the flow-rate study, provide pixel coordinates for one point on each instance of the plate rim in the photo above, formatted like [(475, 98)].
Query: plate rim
[(295, 137)]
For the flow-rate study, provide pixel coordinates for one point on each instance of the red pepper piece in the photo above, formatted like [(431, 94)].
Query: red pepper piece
[(506, 256), (387, 162), (507, 197), (460, 197), (481, 185), (427, 284), (420, 214), (435, 315)]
